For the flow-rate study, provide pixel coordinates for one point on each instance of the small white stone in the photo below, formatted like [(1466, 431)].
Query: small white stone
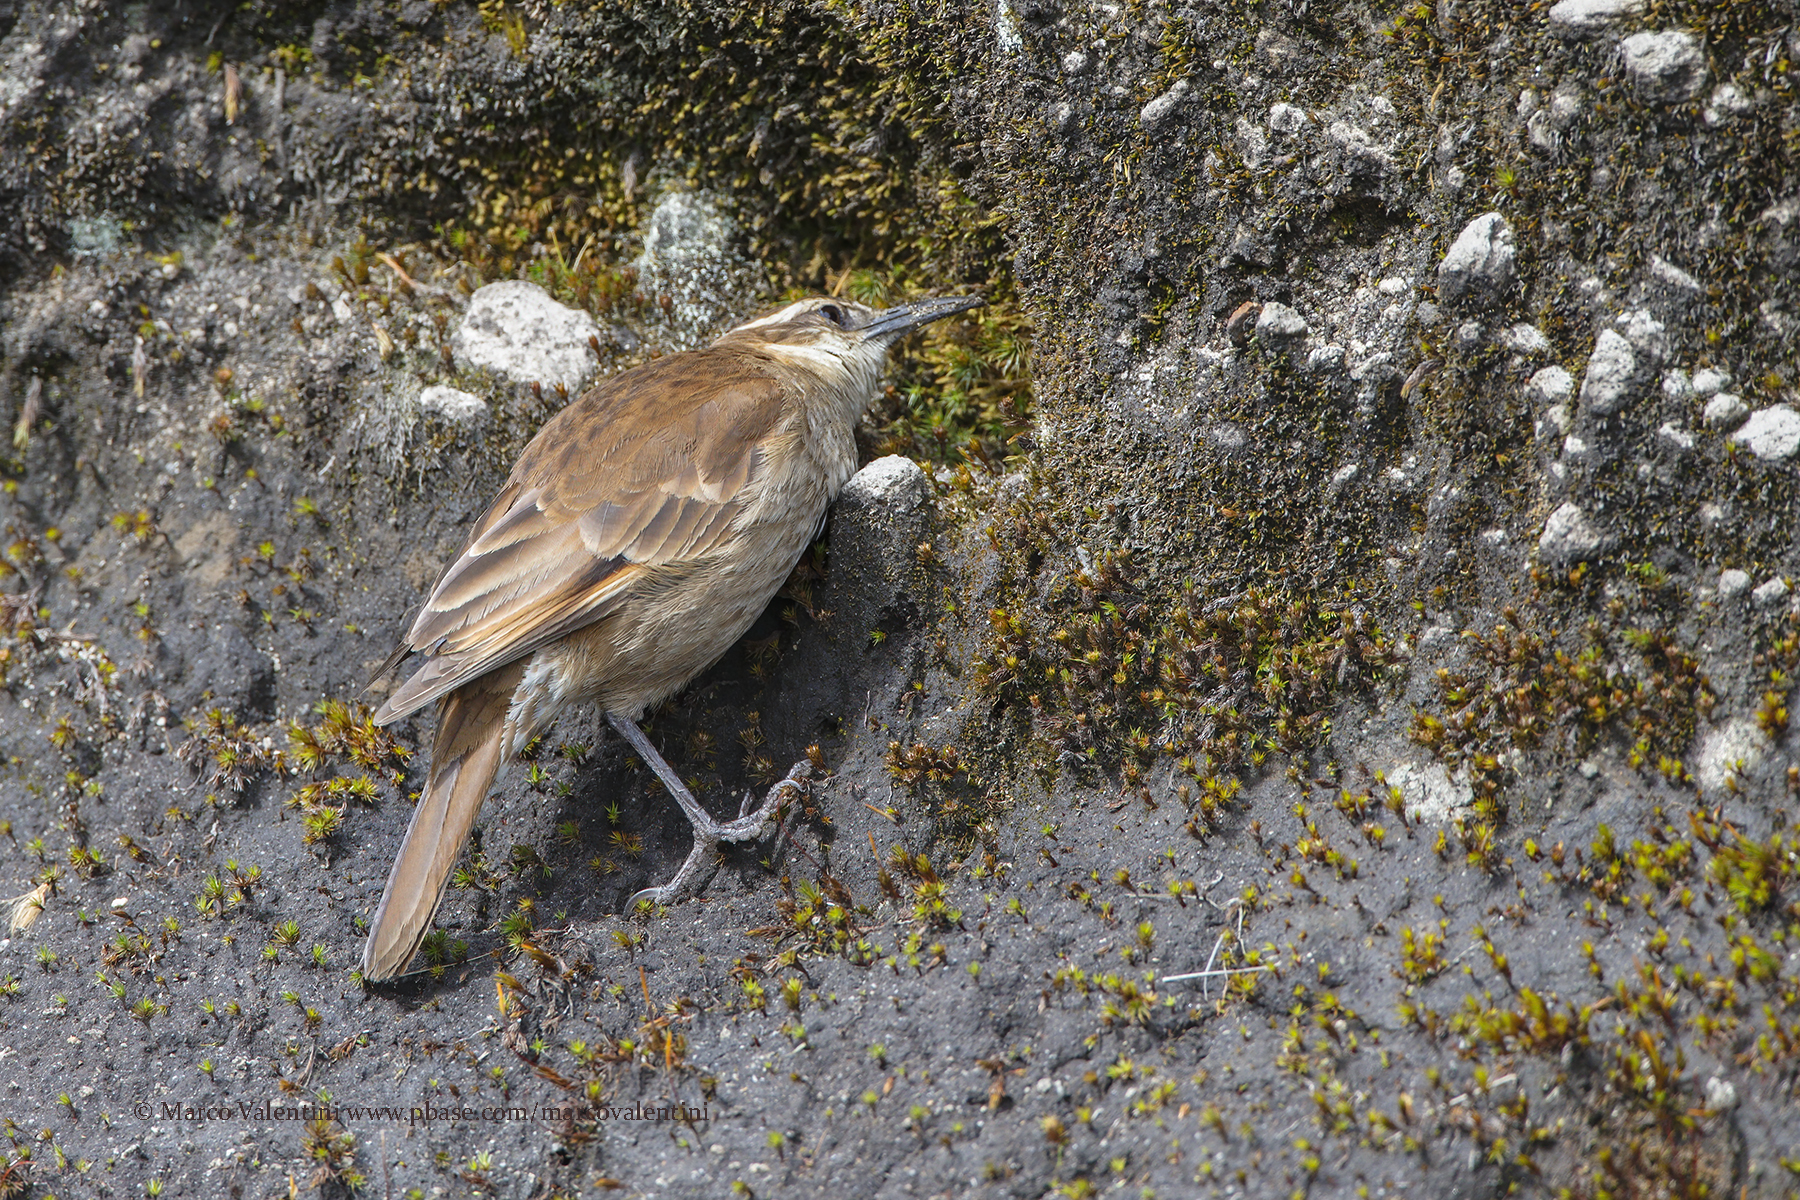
[(1676, 385), (1432, 791), (453, 404), (1571, 537), (1525, 339), (1771, 593), (1549, 386), (1667, 66), (1160, 109), (1394, 285), (1772, 434), (1734, 749), (515, 329), (1578, 19), (1708, 380), (1612, 369), (1325, 358), (1721, 1097), (1279, 325), (1481, 264), (1725, 411), (1733, 583), (1672, 276), (894, 483), (1344, 475), (1560, 419), (1574, 447), (1286, 118), (1075, 62)]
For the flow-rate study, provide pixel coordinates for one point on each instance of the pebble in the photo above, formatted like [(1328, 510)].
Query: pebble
[(1772, 434), (1727, 102), (1676, 385), (1160, 109), (515, 329), (1612, 370), (1771, 593), (453, 404), (1725, 411), (894, 484), (1672, 276), (1708, 380), (1733, 583), (1667, 66), (1325, 358), (1581, 19), (1721, 1097), (1551, 385), (1570, 536), (1481, 264), (1525, 339), (1279, 326), (1556, 423), (1075, 62), (1286, 118)]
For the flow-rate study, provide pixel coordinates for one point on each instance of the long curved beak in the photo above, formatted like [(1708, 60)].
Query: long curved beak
[(892, 323)]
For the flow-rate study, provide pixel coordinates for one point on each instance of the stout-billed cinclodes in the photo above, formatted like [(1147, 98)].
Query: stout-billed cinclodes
[(640, 534)]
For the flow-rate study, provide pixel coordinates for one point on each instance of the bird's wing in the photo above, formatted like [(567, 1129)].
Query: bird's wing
[(650, 469)]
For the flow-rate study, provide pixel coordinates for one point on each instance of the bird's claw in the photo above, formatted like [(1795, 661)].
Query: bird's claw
[(710, 833)]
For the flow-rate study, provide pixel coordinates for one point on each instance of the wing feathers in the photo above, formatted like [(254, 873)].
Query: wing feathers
[(647, 470)]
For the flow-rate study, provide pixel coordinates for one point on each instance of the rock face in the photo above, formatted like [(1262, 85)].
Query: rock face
[(1328, 639), (515, 329)]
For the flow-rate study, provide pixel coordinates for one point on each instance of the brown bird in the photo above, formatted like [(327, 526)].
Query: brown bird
[(641, 533)]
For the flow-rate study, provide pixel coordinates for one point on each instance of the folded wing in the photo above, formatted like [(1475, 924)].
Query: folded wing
[(652, 468)]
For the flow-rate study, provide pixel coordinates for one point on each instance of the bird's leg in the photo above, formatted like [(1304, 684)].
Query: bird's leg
[(708, 833)]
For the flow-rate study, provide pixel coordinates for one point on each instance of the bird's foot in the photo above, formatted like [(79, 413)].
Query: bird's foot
[(701, 862)]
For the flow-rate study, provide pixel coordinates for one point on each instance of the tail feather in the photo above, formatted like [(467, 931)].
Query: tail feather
[(471, 741)]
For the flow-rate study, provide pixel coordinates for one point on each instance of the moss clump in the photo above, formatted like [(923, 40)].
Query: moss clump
[(1110, 676)]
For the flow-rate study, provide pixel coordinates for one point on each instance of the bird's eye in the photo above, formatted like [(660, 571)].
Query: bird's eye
[(834, 314)]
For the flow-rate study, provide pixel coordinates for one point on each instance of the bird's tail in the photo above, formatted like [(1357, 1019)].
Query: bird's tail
[(471, 741)]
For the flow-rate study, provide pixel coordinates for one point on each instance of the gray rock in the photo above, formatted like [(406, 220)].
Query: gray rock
[(1671, 277), (1549, 386), (453, 404), (1725, 411), (1727, 101), (1481, 264), (1578, 20), (1733, 583), (1721, 1097), (892, 484), (1708, 380), (1647, 335), (1772, 434), (690, 254), (1556, 422), (1570, 536), (1075, 62), (1279, 326), (1163, 107), (1325, 358), (515, 329), (1734, 749), (1676, 385), (1429, 790), (1286, 118), (1771, 593), (1525, 339), (1667, 67), (1611, 374)]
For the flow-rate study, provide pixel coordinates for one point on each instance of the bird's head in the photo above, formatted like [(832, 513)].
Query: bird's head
[(840, 342)]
